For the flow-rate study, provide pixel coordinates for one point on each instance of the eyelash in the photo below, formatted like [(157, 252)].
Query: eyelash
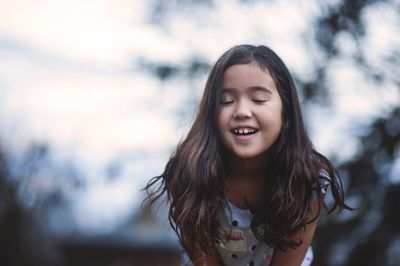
[(254, 100), (226, 102)]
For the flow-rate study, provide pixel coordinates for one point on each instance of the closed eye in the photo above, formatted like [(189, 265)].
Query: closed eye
[(226, 102), (259, 101)]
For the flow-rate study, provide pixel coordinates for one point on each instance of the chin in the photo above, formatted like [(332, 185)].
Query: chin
[(247, 155)]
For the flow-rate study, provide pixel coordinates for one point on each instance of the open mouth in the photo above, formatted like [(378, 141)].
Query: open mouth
[(244, 131)]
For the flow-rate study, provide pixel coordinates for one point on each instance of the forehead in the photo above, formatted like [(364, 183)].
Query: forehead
[(247, 75)]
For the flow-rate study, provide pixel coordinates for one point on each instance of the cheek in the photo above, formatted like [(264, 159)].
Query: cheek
[(221, 119)]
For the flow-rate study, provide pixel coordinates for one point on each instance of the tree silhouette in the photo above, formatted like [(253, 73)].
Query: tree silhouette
[(368, 236)]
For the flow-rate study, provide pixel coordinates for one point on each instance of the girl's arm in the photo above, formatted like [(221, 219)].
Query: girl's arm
[(212, 259), (295, 256)]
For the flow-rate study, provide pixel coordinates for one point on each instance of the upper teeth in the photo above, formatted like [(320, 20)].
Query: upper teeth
[(244, 131)]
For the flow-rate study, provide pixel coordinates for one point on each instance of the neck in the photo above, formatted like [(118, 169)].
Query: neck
[(246, 180), (253, 168)]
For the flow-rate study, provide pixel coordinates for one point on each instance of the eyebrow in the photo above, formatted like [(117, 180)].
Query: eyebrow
[(252, 88)]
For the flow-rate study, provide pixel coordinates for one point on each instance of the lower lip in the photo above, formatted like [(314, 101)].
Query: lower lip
[(243, 137)]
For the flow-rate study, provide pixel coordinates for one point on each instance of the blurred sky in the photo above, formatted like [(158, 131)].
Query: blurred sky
[(71, 76)]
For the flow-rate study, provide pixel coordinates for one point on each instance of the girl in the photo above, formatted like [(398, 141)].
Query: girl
[(245, 186)]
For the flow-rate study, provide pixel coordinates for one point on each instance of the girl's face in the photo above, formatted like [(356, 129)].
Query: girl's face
[(250, 112)]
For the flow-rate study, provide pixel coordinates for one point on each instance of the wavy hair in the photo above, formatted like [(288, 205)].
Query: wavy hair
[(193, 179)]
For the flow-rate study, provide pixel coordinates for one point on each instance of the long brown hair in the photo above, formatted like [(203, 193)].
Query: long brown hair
[(194, 176)]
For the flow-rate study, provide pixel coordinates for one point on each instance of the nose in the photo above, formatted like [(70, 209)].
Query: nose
[(242, 111)]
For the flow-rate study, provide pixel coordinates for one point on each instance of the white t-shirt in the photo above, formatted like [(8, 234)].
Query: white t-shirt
[(243, 248)]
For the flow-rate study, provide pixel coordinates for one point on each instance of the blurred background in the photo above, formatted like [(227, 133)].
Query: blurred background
[(94, 96)]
